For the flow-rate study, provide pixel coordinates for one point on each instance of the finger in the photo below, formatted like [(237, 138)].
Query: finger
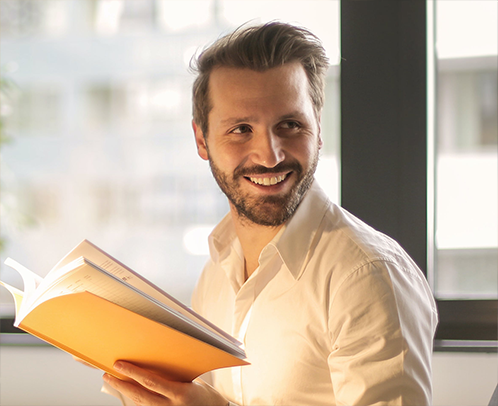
[(83, 362), (136, 393), (148, 379)]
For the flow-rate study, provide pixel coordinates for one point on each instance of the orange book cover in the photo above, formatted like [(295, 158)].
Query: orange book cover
[(100, 333), (99, 310)]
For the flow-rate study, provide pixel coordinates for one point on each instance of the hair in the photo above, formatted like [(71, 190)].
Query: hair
[(260, 48)]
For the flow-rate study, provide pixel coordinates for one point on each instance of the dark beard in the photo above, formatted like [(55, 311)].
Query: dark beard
[(269, 211)]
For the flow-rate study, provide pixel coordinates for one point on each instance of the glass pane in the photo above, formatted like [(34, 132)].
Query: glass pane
[(97, 141), (466, 150)]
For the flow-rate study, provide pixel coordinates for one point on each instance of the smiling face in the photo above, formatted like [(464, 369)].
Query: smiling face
[(263, 140)]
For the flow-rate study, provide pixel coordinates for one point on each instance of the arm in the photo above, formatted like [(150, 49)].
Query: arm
[(381, 324), (152, 389)]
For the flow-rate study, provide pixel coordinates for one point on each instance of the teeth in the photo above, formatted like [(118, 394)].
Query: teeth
[(268, 181)]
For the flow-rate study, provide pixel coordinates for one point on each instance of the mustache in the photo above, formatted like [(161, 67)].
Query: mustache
[(260, 169)]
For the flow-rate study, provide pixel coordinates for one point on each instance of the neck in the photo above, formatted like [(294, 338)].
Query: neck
[(253, 238)]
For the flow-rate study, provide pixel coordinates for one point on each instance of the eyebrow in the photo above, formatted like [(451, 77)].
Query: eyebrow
[(235, 120), (294, 114)]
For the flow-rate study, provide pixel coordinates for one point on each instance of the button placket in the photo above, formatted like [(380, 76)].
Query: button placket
[(244, 302)]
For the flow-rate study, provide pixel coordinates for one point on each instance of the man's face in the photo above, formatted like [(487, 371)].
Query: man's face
[(263, 140)]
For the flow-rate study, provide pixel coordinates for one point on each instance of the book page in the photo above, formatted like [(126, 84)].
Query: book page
[(16, 293), (30, 280), (100, 258), (86, 276)]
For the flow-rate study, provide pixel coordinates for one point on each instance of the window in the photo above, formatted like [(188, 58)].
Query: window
[(466, 150), (386, 51), (97, 113), (465, 265)]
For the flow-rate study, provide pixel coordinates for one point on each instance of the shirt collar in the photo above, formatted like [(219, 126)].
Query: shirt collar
[(221, 239), (298, 235), (292, 243), (226, 251)]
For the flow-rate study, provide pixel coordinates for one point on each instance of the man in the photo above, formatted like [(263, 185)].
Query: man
[(329, 310)]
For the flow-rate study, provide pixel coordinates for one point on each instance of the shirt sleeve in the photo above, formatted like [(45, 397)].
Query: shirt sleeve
[(381, 324)]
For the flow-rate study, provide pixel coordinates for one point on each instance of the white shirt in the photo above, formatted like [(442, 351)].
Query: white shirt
[(336, 313)]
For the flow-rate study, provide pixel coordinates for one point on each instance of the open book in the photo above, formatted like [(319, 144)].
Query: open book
[(99, 310)]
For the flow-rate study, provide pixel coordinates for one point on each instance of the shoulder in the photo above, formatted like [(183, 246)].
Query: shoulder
[(346, 248), (355, 243)]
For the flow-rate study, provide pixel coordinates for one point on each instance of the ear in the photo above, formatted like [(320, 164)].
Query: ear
[(320, 139), (200, 141)]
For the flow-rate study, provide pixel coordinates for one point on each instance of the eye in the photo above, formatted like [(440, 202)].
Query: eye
[(290, 125), (241, 129)]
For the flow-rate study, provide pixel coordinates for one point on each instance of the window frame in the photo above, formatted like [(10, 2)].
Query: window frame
[(387, 151)]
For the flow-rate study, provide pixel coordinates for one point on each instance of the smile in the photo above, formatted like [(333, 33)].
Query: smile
[(268, 181)]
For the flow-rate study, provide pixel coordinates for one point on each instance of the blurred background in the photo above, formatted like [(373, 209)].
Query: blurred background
[(96, 115), (96, 140)]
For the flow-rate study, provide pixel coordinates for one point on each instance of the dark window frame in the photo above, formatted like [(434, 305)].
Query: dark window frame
[(385, 148)]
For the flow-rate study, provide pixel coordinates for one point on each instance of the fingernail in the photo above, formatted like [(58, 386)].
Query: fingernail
[(106, 377), (118, 366)]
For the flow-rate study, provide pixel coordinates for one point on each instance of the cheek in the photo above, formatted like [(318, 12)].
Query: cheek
[(225, 157), (304, 151)]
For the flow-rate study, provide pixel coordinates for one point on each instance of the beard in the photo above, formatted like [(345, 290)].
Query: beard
[(269, 211)]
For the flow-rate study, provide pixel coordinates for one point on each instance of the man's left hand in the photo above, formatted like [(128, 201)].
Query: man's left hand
[(151, 389)]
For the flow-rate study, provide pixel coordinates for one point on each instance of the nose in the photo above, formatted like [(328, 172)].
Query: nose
[(267, 149)]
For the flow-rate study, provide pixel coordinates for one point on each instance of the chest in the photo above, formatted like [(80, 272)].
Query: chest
[(284, 328)]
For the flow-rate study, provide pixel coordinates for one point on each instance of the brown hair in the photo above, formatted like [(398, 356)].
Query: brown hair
[(260, 48)]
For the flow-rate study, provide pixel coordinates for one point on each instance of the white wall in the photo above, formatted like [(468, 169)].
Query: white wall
[(45, 376), (464, 379)]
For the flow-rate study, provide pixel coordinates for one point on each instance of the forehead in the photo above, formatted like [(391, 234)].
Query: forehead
[(242, 85)]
